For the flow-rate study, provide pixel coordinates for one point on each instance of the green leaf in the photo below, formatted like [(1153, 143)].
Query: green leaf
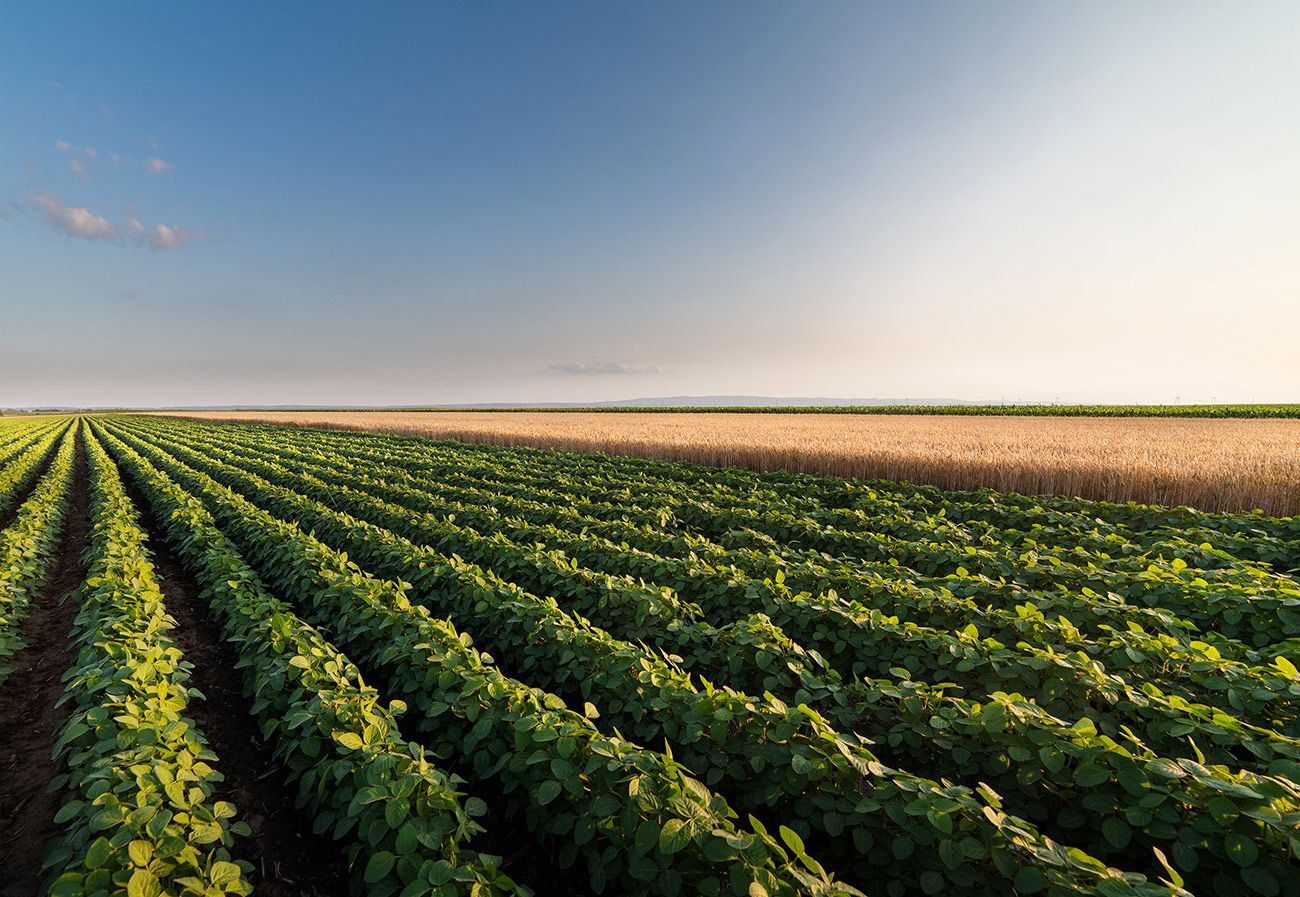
[(1116, 832), (1030, 880), (225, 873), (97, 853), (379, 866), (673, 836), (141, 852), (1090, 775), (1241, 850), (549, 791), (143, 884)]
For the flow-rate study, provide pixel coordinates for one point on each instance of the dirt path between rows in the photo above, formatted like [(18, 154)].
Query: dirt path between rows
[(288, 859), (28, 717)]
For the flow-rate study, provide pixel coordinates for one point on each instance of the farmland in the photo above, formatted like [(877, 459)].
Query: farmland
[(299, 660), (1212, 463)]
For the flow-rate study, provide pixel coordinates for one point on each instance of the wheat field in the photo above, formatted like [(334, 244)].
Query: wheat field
[(1211, 464)]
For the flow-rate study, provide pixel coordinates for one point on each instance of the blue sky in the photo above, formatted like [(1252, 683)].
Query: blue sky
[(394, 204)]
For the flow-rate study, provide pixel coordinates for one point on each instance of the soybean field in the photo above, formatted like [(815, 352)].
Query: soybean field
[(255, 659)]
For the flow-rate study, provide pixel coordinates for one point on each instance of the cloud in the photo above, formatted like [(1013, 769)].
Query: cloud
[(80, 222), (63, 146), (599, 369), (161, 236), (75, 222), (90, 151), (115, 158), (77, 168), (158, 166)]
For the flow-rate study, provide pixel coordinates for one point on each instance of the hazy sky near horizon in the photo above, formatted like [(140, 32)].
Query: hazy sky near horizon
[(429, 203)]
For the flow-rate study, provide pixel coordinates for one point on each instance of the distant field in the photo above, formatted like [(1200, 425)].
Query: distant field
[(1215, 464), (1214, 411)]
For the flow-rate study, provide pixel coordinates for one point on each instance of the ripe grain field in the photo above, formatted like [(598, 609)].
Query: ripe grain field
[(295, 660), (1207, 463)]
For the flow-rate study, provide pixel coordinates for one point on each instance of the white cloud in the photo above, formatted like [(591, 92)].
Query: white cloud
[(77, 168), (63, 146), (164, 237), (90, 151), (599, 369), (158, 166), (75, 222), (80, 222), (115, 158)]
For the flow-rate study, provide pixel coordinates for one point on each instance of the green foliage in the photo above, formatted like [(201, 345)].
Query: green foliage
[(27, 545), (140, 815), (1083, 688)]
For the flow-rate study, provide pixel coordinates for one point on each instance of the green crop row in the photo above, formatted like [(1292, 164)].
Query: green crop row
[(636, 816), (140, 817), (1263, 692), (815, 778), (758, 654), (26, 464), (27, 548), (405, 824), (1190, 575), (1104, 775), (857, 640)]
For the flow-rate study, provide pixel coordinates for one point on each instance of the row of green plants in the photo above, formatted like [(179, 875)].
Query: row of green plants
[(1068, 681), (1266, 694), (14, 439), (13, 430), (1069, 518), (1264, 691), (405, 825), (26, 465), (1189, 576), (834, 491), (1066, 759), (28, 546), (636, 817), (140, 816), (812, 777)]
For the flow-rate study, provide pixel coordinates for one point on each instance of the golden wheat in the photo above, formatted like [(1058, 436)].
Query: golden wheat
[(1215, 465)]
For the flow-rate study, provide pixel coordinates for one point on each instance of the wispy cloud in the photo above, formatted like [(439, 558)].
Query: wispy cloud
[(76, 221), (599, 369), (161, 236), (115, 158), (75, 166), (71, 220), (63, 146), (156, 165), (90, 151)]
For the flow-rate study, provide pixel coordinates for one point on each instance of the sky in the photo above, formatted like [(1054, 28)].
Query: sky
[(311, 203)]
